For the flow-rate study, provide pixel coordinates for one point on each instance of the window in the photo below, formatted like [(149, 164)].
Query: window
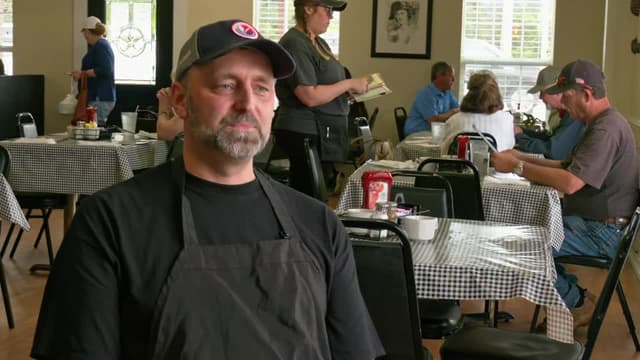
[(6, 35), (513, 39), (131, 31), (274, 17)]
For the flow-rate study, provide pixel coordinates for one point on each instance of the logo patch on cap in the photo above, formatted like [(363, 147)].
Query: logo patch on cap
[(245, 30)]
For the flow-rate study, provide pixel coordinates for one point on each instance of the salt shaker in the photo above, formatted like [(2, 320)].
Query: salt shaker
[(382, 213)]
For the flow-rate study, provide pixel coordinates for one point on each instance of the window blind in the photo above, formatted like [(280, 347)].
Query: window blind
[(273, 18), (512, 38)]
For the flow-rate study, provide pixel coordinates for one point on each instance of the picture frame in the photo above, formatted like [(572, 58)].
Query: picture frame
[(401, 29)]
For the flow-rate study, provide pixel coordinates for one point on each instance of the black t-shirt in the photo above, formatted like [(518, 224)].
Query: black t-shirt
[(102, 290)]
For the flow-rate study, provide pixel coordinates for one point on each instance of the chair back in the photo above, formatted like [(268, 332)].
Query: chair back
[(465, 184), (615, 270), (385, 275), (317, 176), (27, 125), (432, 192), (5, 161), (401, 117), (373, 117), (176, 146), (453, 148)]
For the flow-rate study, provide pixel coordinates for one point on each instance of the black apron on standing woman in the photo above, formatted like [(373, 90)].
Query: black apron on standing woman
[(241, 301)]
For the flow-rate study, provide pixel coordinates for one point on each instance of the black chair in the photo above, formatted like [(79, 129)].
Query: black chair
[(431, 192), (316, 176), (400, 115), (176, 147), (465, 183), (46, 203), (438, 317), (467, 200), (389, 290), (600, 311), (373, 117), (4, 167), (266, 160), (453, 148), (487, 343)]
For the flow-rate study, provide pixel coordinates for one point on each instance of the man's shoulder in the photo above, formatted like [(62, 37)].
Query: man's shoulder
[(151, 183)]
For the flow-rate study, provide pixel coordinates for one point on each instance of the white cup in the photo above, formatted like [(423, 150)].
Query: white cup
[(420, 227), (129, 125), (359, 213), (438, 129)]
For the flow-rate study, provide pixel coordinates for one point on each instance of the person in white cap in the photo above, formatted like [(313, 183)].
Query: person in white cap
[(98, 65), (565, 135), (204, 257)]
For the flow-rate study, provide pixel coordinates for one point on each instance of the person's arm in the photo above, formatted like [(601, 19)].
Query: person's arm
[(168, 124), (80, 317), (540, 171), (321, 94), (443, 117)]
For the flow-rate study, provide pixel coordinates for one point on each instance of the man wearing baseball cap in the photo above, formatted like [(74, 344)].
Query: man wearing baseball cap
[(565, 136), (203, 257), (599, 179)]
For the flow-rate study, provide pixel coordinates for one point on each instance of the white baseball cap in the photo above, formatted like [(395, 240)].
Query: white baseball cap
[(91, 22)]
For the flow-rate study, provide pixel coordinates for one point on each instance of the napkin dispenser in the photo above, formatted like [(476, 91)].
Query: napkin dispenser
[(27, 125)]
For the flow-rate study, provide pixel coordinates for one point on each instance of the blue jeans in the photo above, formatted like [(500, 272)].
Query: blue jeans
[(583, 237), (103, 109)]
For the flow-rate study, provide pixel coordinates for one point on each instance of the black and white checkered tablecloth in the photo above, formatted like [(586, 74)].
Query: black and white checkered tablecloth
[(10, 209), (414, 148), (78, 167), (533, 205), (481, 260)]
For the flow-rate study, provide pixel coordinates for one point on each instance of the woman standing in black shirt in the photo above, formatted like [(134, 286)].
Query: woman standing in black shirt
[(317, 93)]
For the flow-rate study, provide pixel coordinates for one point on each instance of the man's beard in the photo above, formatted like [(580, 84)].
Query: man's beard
[(236, 144)]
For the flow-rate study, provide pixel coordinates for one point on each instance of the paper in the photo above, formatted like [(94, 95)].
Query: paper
[(391, 164), (507, 179), (377, 88), (36, 140)]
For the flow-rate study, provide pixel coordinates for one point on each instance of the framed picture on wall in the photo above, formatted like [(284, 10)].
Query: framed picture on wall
[(401, 29)]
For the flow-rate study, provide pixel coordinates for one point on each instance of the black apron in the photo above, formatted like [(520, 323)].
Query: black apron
[(244, 301)]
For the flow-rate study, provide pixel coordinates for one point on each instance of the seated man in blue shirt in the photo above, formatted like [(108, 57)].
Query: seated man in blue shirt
[(434, 103), (564, 137)]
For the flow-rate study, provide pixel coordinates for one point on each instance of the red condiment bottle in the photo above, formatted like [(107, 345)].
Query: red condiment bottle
[(376, 186), (463, 141)]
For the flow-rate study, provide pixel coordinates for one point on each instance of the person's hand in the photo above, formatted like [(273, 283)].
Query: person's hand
[(164, 100), (359, 85), (517, 129), (76, 74), (504, 161)]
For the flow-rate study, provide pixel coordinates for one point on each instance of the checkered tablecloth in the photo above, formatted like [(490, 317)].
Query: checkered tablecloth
[(533, 205), (477, 260), (413, 148), (10, 209), (78, 167)]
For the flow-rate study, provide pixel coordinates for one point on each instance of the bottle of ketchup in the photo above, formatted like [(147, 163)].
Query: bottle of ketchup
[(376, 186), (463, 141)]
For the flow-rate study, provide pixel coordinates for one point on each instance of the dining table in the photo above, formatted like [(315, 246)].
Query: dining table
[(416, 145), (57, 164), (507, 201), (486, 260), (10, 209)]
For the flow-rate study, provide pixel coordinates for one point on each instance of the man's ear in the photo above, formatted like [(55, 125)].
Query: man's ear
[(179, 98)]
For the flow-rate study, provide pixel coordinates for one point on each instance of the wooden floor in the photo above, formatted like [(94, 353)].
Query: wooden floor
[(614, 342)]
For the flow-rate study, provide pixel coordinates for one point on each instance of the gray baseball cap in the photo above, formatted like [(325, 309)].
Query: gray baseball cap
[(335, 5), (546, 78), (220, 38)]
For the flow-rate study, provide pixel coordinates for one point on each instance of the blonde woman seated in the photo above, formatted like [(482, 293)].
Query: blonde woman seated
[(482, 106)]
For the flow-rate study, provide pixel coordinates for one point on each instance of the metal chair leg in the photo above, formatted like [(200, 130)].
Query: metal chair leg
[(41, 232), (47, 233), (5, 298), (534, 320), (7, 239), (627, 315)]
